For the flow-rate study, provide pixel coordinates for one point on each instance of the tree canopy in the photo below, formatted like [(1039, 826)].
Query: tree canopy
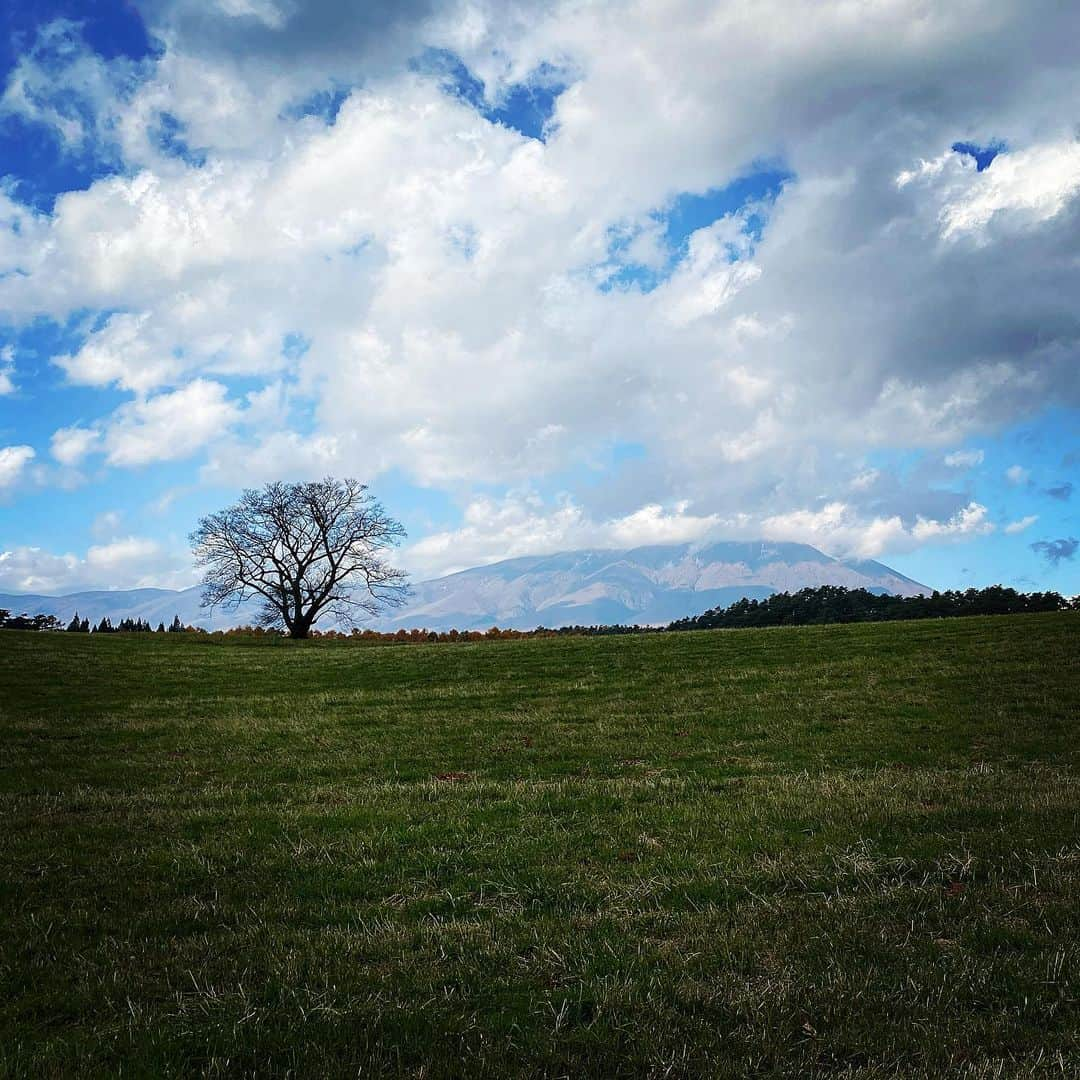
[(306, 550), (833, 603)]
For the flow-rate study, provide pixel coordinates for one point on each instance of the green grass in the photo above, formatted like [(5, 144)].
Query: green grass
[(828, 851)]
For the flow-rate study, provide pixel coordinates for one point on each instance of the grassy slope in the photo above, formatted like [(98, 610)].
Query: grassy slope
[(823, 850)]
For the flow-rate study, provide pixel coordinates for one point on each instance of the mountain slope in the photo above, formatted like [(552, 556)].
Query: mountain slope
[(646, 585)]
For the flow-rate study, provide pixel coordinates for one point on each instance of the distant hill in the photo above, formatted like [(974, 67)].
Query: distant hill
[(646, 585)]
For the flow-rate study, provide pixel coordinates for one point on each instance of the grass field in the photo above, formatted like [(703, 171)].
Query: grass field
[(828, 851)]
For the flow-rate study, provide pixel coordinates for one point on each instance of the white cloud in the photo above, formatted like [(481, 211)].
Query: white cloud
[(523, 524), (1017, 475), (1029, 186), (170, 425), (653, 524), (122, 353), (1021, 524), (970, 521), (128, 562), (964, 459), (7, 367), (445, 269), (930, 170), (13, 462), (279, 455), (266, 11), (493, 530), (121, 556), (839, 530), (28, 569), (70, 445), (67, 88)]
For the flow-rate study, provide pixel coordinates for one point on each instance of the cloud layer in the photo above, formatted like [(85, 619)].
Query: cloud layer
[(411, 286)]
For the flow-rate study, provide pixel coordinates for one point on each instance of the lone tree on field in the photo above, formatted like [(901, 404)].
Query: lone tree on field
[(307, 549)]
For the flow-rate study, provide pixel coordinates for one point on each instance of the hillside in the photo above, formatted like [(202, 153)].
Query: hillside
[(646, 585), (823, 851)]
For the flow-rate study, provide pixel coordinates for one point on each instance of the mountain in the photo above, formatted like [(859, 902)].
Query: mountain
[(645, 585)]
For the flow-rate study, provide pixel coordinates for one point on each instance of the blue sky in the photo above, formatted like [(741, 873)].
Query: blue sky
[(543, 282)]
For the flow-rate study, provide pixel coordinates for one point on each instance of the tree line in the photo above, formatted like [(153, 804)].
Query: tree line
[(810, 606), (79, 625), (836, 604)]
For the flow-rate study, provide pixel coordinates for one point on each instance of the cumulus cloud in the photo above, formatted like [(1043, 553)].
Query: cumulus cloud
[(654, 525), (71, 444), (169, 425), (970, 521), (1031, 186), (121, 556), (839, 530), (7, 370), (28, 569), (165, 427), (120, 353), (127, 562), (1017, 475), (13, 462), (524, 524), (60, 84), (469, 317), (281, 455)]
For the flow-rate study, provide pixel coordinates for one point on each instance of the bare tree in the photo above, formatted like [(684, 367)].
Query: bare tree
[(307, 549)]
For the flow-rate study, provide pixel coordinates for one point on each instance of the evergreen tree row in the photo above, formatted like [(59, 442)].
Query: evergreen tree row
[(28, 622), (824, 604), (82, 626), (835, 604), (125, 626)]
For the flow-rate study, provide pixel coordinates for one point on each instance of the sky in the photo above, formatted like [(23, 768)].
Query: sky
[(545, 276)]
